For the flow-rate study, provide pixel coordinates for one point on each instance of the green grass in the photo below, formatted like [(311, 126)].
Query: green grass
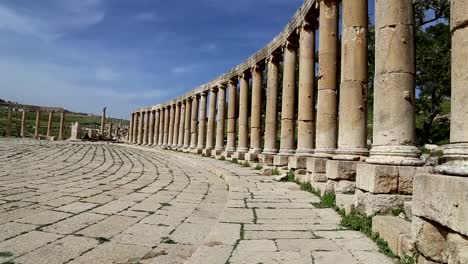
[(234, 160), (222, 158), (275, 172), (246, 164), (258, 167)]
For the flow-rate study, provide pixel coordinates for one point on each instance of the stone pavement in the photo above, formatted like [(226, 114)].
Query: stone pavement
[(104, 203)]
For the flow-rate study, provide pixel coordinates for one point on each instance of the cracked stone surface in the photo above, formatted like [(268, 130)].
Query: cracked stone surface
[(107, 203)]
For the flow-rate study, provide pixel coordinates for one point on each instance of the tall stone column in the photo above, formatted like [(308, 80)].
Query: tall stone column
[(175, 138), (202, 124), (151, 128), (135, 128), (188, 112), (161, 127), (146, 128), (219, 148), (211, 122), (23, 123), (157, 117), (62, 126), (194, 124), (180, 142), (130, 130), (271, 115), (9, 121), (167, 111), (141, 122), (103, 121), (256, 113), (288, 109), (306, 107), (171, 125), (49, 124), (38, 124), (242, 143), (231, 119), (394, 131), (326, 128)]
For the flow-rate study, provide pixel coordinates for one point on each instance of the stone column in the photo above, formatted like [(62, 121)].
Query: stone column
[(38, 124), (188, 112), (202, 124), (167, 110), (62, 126), (180, 142), (161, 127), (394, 89), (231, 119), (9, 121), (171, 125), (175, 138), (103, 121), (194, 125), (256, 113), (151, 128), (242, 144), (130, 130), (157, 116), (288, 109), (211, 123), (23, 123), (326, 127), (141, 122), (135, 128), (49, 124), (219, 148), (146, 128), (271, 115)]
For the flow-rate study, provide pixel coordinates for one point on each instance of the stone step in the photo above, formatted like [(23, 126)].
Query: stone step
[(395, 231)]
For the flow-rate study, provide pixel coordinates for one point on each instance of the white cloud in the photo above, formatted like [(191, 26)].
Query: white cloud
[(184, 69)]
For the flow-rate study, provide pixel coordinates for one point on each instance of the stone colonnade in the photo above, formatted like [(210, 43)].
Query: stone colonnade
[(318, 127)]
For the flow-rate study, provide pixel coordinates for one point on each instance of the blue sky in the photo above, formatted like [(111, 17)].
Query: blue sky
[(124, 54)]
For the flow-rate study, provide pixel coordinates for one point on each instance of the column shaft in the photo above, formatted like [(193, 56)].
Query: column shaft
[(202, 124), (242, 145), (211, 119), (326, 128), (151, 128), (38, 124), (161, 127), (146, 128), (130, 130), (175, 138), (256, 109), (180, 142), (271, 116), (157, 116), (167, 111), (135, 128), (288, 109), (221, 117), (188, 112), (231, 118), (194, 124), (9, 121), (171, 125), (23, 123), (62, 126), (141, 121), (49, 124)]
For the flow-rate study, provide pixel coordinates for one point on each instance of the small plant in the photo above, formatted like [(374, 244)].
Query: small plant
[(328, 200), (167, 240), (234, 160), (102, 240), (165, 204), (275, 172), (222, 158), (6, 254), (258, 167), (246, 164), (397, 211)]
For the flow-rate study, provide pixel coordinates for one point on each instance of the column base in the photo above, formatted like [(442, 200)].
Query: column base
[(238, 155), (316, 168), (297, 162), (266, 159), (227, 153), (216, 153), (343, 174), (395, 155), (251, 156), (456, 160), (281, 160), (326, 153), (206, 152)]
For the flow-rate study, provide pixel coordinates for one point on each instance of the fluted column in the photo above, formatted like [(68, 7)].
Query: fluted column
[(202, 124), (141, 122), (171, 125), (161, 127), (175, 138), (49, 124), (103, 122), (306, 107), (394, 131), (242, 144), (62, 125), (288, 109), (151, 128), (180, 141), (38, 124), (221, 119), (167, 111), (9, 121), (256, 109), (146, 128), (326, 127), (188, 113), (194, 124), (271, 116), (211, 119), (23, 123), (231, 118), (157, 117), (135, 128)]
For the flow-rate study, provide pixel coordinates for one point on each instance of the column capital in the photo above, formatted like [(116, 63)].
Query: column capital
[(257, 67), (308, 24), (244, 75), (214, 89), (274, 57), (233, 82), (221, 85), (290, 44)]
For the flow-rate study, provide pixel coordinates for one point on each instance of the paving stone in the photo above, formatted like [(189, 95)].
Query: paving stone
[(77, 207), (44, 218), (111, 252), (109, 227), (26, 243), (74, 223), (12, 229)]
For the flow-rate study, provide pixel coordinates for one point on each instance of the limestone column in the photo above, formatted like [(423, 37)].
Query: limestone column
[(9, 121), (288, 109), (456, 153), (167, 121), (157, 117), (171, 125), (151, 128), (194, 124), (231, 118), (38, 124), (146, 128), (188, 112), (180, 142), (202, 124), (62, 126), (326, 127), (103, 121), (211, 122), (256, 111), (175, 137), (23, 123), (130, 130), (161, 127), (135, 128), (141, 122), (221, 119), (242, 144), (49, 124), (394, 89), (271, 115)]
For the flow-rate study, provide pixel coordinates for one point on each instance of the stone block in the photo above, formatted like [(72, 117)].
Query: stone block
[(422, 260), (227, 154), (341, 169), (371, 204), (206, 152), (316, 165), (395, 231), (408, 207), (442, 199), (457, 248), (198, 151), (405, 179), (345, 187), (216, 153), (251, 156), (320, 186), (345, 201), (377, 178), (266, 159), (430, 239), (238, 155), (318, 177), (281, 160), (296, 162)]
